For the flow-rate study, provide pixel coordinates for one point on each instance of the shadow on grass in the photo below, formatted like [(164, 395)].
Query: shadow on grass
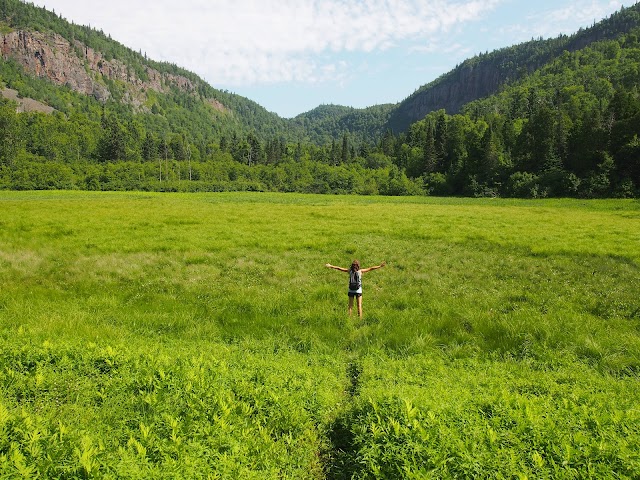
[(341, 461), (341, 458)]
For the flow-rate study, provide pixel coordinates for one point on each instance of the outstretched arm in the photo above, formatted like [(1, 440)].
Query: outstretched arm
[(364, 270), (328, 265)]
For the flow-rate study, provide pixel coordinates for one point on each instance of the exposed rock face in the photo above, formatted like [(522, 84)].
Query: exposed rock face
[(467, 83), (84, 70), (52, 57), (25, 104), (474, 80), (470, 83)]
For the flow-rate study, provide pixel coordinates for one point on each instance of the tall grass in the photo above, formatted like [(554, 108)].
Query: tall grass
[(100, 290)]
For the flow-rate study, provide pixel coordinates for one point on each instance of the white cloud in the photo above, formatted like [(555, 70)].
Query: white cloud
[(243, 42), (583, 14), (565, 20)]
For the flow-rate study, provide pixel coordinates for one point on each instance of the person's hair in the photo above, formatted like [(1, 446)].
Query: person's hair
[(355, 266)]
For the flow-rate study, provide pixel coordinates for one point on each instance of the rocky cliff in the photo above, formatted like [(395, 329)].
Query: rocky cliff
[(85, 70), (463, 85)]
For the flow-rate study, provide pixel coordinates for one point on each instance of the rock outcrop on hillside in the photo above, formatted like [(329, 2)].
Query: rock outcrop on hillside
[(466, 84), (25, 104), (85, 70)]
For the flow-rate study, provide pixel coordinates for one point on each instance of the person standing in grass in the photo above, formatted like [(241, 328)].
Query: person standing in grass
[(355, 282)]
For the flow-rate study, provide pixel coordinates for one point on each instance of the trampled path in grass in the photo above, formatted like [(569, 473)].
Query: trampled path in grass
[(200, 336)]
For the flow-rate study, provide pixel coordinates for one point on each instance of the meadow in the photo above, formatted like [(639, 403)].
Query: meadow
[(150, 335)]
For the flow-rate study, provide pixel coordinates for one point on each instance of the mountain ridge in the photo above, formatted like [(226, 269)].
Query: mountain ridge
[(77, 66), (90, 62), (87, 61), (484, 74)]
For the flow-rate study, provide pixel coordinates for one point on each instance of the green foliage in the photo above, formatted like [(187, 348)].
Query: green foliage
[(568, 129), (523, 185), (10, 133), (223, 174), (413, 421), (148, 335), (564, 124), (328, 122), (107, 412)]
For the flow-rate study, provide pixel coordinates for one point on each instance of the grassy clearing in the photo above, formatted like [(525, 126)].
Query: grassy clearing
[(511, 327)]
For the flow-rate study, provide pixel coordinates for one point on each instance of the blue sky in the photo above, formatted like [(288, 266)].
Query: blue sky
[(292, 55)]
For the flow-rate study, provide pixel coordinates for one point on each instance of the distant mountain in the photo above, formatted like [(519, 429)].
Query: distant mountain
[(474, 79), (79, 69), (329, 122), (39, 44), (485, 74)]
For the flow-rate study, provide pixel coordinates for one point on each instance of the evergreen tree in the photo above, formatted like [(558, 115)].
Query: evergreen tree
[(440, 140), (387, 144), (344, 155), (430, 154), (112, 142), (149, 147), (333, 155)]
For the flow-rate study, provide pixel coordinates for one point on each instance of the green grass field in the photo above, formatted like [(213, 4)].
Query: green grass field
[(200, 336)]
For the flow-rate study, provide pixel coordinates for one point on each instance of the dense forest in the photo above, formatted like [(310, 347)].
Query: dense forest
[(569, 129), (566, 125)]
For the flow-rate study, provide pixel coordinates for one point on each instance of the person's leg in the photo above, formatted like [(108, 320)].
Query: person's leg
[(360, 306), (350, 305)]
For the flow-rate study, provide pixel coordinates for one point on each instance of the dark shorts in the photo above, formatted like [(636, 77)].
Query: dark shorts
[(354, 294)]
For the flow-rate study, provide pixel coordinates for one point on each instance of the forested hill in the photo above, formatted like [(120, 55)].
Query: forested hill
[(39, 44), (328, 122), (563, 120), (485, 74)]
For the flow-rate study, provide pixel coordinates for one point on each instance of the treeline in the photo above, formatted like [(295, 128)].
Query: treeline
[(521, 144), (569, 129), (41, 151), (217, 175)]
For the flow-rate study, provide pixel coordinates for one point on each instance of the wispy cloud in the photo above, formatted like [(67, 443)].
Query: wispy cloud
[(563, 20), (442, 48), (243, 42)]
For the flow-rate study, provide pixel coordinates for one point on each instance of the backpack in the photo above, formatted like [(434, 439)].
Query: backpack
[(355, 280)]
